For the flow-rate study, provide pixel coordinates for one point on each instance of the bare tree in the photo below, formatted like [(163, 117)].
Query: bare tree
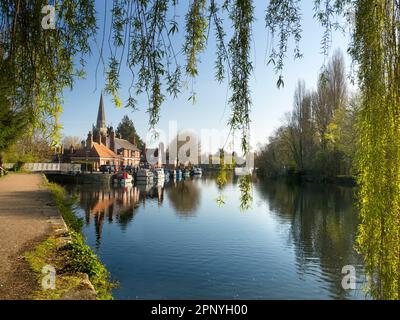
[(337, 84), (300, 127), (321, 112), (330, 96), (31, 147), (73, 141)]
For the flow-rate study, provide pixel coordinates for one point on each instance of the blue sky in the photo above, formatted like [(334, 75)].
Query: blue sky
[(211, 110)]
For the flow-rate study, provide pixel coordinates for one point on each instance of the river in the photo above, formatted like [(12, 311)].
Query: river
[(177, 241)]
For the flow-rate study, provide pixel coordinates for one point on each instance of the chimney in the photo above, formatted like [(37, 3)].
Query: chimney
[(89, 141), (112, 139), (133, 140)]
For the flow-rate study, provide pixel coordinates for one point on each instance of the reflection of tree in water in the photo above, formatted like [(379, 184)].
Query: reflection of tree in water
[(184, 196), (323, 224)]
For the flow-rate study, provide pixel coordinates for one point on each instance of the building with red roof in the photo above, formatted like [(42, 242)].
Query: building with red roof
[(103, 147)]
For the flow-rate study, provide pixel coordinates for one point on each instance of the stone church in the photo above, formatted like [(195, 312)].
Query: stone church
[(104, 147)]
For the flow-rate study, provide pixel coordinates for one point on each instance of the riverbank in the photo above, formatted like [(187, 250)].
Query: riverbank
[(74, 259), (33, 235), (349, 181)]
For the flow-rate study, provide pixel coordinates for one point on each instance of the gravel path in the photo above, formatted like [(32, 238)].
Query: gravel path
[(25, 206)]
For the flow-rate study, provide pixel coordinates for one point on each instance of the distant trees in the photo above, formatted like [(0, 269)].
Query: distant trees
[(73, 141), (126, 130), (31, 147), (300, 127), (330, 96), (318, 135)]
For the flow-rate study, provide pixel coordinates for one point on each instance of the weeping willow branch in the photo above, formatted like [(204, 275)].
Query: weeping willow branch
[(42, 61), (376, 50)]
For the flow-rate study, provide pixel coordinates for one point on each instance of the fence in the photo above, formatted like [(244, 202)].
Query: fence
[(47, 167)]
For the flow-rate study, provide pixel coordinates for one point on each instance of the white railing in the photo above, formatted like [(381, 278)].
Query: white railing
[(52, 167), (3, 171), (8, 166)]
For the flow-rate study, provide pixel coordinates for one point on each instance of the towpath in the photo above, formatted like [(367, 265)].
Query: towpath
[(25, 209)]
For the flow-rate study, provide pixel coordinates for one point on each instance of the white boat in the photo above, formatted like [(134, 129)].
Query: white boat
[(197, 172), (167, 174), (176, 174), (159, 174), (126, 181), (243, 171), (144, 176)]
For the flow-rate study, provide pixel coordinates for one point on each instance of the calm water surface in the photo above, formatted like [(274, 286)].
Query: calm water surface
[(176, 242)]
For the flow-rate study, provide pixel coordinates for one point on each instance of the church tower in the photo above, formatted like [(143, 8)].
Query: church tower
[(101, 118)]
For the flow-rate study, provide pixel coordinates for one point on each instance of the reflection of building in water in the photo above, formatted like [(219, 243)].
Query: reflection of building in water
[(150, 192), (112, 204), (119, 205)]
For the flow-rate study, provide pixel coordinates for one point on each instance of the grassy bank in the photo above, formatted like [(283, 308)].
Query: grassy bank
[(70, 256)]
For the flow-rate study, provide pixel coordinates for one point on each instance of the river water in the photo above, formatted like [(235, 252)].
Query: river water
[(177, 241)]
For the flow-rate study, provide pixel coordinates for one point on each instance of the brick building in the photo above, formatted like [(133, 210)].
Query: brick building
[(103, 147)]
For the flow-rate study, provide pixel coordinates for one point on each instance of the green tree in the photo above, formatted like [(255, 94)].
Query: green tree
[(318, 137), (341, 136), (126, 130), (42, 63), (13, 120)]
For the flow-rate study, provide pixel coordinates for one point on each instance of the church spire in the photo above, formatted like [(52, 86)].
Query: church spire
[(101, 116)]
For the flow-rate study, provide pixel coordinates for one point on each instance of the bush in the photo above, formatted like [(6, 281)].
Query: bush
[(84, 260)]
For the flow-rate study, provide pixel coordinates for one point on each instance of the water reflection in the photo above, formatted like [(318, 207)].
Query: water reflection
[(323, 225), (116, 203), (184, 196), (291, 244), (101, 203)]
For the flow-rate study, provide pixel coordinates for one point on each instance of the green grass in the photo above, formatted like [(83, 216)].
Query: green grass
[(69, 259), (50, 252), (65, 205), (83, 259)]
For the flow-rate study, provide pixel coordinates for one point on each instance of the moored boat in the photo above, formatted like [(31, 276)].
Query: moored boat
[(144, 176), (243, 171), (123, 178), (167, 174), (197, 172), (176, 174), (159, 174)]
